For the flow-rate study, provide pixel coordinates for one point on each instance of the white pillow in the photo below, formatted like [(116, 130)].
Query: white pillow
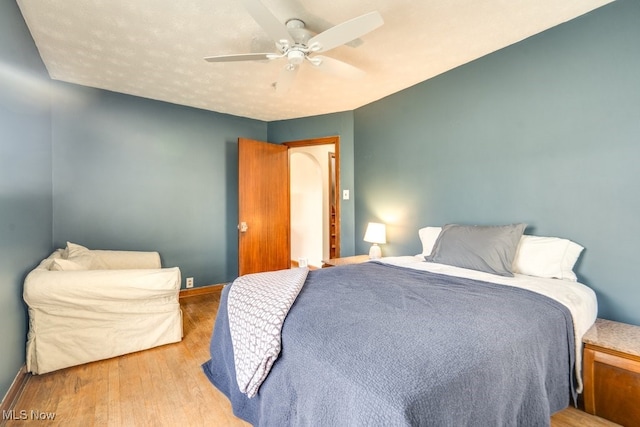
[(74, 250), (82, 256), (549, 257), (65, 265), (428, 237)]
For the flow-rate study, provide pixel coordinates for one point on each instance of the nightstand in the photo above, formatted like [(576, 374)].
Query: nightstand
[(612, 371), (334, 262)]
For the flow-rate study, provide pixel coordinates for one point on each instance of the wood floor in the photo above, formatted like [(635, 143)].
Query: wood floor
[(164, 386)]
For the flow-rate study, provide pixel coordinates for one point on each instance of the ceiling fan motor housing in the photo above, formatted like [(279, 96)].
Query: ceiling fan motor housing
[(299, 33)]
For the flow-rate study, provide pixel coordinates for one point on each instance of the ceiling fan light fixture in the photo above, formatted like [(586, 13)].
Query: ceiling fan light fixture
[(295, 57)]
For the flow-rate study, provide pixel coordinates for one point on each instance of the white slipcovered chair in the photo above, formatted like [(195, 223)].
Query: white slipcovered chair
[(86, 305)]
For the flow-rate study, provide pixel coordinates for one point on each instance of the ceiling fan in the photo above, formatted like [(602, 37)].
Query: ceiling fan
[(297, 44)]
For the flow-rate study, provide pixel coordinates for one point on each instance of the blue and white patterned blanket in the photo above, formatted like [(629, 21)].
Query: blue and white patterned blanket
[(257, 306)]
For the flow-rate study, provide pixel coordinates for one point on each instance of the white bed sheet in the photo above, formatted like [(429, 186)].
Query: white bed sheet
[(577, 297)]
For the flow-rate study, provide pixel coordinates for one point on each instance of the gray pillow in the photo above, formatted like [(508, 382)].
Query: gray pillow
[(484, 248)]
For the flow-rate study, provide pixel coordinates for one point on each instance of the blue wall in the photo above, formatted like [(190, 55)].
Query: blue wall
[(25, 180), (135, 174), (327, 125), (545, 132)]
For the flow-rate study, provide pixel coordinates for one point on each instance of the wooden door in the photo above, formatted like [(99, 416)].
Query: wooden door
[(264, 242)]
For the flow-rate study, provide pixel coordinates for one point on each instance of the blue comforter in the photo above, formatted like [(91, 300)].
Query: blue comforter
[(372, 344)]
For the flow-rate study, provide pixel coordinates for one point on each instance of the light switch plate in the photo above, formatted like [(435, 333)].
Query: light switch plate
[(345, 194)]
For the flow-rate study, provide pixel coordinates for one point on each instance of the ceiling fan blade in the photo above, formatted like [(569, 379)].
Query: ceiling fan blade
[(239, 57), (336, 67), (286, 78), (267, 20), (345, 32)]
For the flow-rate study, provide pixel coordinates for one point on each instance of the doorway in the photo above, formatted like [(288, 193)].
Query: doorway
[(315, 205)]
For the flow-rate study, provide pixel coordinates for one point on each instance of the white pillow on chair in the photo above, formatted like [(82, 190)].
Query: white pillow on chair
[(82, 256), (65, 265)]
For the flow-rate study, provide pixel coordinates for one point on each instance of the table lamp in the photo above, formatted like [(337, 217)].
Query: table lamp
[(376, 233)]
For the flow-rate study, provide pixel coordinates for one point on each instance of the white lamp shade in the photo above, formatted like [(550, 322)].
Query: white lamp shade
[(376, 233)]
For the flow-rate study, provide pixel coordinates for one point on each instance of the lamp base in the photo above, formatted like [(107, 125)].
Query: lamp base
[(375, 252)]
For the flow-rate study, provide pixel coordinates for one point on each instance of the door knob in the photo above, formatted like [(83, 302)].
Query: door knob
[(243, 227)]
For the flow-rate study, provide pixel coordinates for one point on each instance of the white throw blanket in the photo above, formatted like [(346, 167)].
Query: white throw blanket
[(257, 306)]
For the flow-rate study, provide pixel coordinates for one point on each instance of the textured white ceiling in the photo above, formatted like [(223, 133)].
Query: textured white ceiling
[(155, 48)]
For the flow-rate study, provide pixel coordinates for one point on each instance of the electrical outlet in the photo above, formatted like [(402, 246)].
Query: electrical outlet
[(189, 282)]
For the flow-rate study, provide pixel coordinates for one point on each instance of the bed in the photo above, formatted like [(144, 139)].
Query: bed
[(402, 341)]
